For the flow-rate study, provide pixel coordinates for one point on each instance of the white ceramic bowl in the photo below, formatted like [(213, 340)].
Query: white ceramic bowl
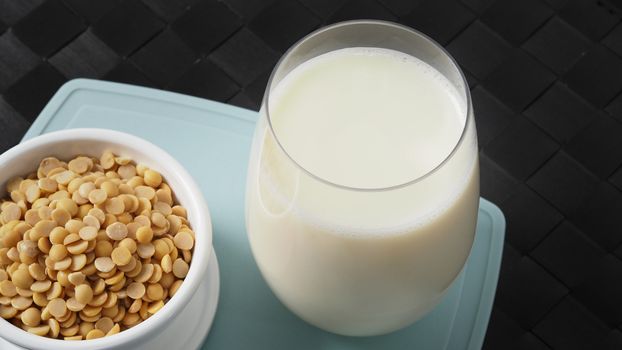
[(24, 158)]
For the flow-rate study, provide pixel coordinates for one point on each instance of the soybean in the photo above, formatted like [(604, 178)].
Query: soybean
[(90, 247)]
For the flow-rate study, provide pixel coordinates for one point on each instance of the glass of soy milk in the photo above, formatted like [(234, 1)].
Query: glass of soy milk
[(363, 181)]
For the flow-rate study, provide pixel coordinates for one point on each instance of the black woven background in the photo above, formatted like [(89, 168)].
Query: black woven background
[(546, 80)]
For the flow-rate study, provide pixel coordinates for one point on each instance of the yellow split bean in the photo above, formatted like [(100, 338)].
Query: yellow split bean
[(90, 247)]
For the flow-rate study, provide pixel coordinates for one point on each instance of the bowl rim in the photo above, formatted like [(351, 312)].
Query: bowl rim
[(197, 209)]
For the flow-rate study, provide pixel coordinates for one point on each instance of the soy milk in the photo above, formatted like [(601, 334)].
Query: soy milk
[(338, 233)]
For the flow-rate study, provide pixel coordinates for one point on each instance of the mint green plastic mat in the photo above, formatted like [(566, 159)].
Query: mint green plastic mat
[(212, 140)]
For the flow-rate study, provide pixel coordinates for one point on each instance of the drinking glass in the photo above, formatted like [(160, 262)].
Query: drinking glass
[(361, 261)]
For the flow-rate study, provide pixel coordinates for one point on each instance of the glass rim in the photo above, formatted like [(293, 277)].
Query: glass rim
[(465, 91)]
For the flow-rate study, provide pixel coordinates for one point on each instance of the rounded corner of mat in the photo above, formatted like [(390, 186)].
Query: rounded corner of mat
[(495, 213)]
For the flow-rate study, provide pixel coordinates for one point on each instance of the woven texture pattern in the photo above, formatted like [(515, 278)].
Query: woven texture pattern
[(546, 79)]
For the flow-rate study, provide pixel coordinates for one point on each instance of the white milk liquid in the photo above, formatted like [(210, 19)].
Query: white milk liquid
[(362, 262)]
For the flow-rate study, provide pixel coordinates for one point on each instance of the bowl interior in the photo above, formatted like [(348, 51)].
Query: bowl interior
[(24, 159)]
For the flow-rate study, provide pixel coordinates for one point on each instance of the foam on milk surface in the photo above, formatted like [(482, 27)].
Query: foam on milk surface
[(367, 117)]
